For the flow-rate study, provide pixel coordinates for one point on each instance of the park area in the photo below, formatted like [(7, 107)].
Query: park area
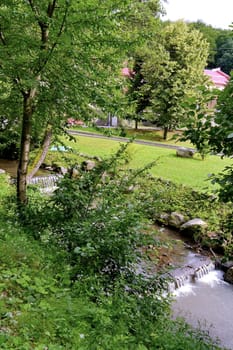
[(192, 172), (93, 218)]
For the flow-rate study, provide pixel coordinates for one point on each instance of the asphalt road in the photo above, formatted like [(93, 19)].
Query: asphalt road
[(123, 139)]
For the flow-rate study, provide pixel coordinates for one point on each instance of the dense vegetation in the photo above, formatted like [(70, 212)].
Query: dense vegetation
[(70, 273), (68, 269), (220, 45)]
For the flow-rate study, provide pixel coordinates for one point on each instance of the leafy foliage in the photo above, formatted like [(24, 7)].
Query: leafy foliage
[(216, 37), (168, 68), (93, 215), (224, 53), (200, 119), (61, 61), (221, 139), (9, 136), (41, 307)]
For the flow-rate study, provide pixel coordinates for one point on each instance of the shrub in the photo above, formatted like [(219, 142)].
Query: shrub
[(95, 217)]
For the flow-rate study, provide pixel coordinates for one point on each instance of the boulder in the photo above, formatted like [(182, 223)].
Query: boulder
[(185, 152), (62, 170), (164, 218), (176, 219), (224, 266), (88, 165), (74, 173), (228, 276), (193, 225), (2, 171)]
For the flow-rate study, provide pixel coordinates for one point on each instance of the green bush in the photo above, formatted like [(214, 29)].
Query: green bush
[(95, 217)]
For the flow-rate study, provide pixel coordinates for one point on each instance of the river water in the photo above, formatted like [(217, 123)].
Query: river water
[(10, 166), (207, 302)]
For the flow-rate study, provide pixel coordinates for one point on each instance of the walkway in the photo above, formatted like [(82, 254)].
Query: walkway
[(123, 139)]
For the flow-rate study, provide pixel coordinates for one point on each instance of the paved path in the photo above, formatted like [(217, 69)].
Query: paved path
[(124, 139)]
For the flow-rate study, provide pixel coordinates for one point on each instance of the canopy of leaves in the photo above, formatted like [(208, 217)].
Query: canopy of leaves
[(220, 45), (224, 56), (173, 69), (221, 134), (71, 52)]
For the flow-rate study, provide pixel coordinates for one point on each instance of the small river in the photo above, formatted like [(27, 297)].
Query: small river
[(207, 302), (10, 166)]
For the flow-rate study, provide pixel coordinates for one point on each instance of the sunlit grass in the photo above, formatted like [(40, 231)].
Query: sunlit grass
[(191, 172)]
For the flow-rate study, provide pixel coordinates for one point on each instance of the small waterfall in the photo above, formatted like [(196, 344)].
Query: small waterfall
[(204, 270), (197, 267), (46, 183)]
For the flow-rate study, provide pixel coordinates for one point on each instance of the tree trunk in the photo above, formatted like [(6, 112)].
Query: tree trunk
[(136, 124), (24, 148), (165, 131), (43, 153)]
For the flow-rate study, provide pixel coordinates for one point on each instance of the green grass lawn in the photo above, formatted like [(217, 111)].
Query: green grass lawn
[(191, 172)]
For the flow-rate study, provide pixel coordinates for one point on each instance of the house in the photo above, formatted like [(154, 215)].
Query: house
[(218, 77), (219, 80)]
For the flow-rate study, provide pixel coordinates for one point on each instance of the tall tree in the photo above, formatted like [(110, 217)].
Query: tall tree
[(147, 21), (137, 97), (211, 34), (173, 69), (224, 55), (57, 57)]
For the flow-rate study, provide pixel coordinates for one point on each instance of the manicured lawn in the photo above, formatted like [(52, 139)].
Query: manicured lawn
[(191, 172)]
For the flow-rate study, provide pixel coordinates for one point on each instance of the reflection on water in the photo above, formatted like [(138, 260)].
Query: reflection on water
[(10, 166)]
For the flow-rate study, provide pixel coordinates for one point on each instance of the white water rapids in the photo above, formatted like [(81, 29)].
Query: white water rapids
[(208, 302), (203, 298)]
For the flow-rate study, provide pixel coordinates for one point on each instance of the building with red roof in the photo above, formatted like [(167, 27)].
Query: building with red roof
[(218, 78)]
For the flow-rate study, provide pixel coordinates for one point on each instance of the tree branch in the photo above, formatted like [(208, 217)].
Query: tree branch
[(2, 38), (56, 42), (34, 9), (51, 8), (42, 153)]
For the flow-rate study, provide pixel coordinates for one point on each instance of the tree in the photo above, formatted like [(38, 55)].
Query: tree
[(224, 56), (221, 134), (200, 119), (149, 24), (212, 35), (138, 99), (57, 58), (172, 70)]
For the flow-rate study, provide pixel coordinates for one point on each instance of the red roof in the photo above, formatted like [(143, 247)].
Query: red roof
[(219, 78)]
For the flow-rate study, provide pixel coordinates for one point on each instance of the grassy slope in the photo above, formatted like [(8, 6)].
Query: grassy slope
[(191, 172)]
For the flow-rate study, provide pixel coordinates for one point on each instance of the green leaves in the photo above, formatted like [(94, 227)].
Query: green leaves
[(60, 60), (167, 70)]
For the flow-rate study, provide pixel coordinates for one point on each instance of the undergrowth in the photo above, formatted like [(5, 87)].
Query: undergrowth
[(67, 273)]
